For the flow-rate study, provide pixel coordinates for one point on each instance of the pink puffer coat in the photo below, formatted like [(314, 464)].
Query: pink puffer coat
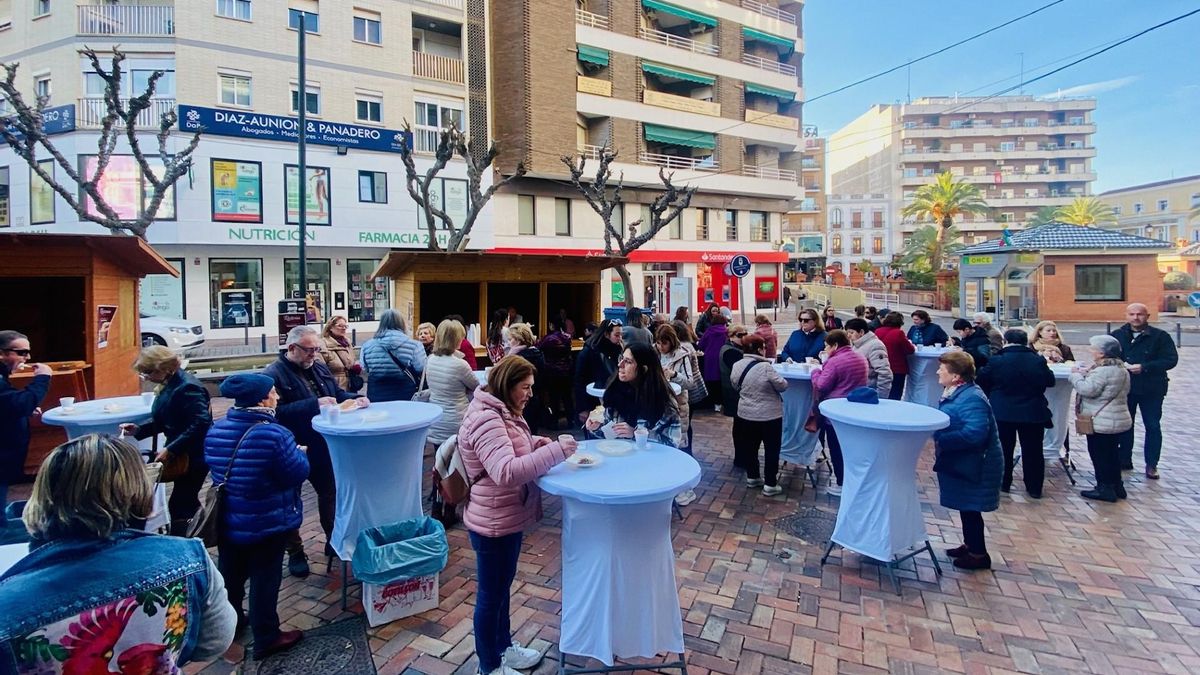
[(493, 440)]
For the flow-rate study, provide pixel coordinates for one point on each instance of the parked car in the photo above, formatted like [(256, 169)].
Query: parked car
[(180, 335)]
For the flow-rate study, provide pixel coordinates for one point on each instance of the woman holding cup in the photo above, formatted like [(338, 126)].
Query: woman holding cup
[(639, 394)]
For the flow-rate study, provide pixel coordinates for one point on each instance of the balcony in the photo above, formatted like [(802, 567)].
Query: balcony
[(677, 42), (588, 151), (90, 112), (809, 165), (768, 65), (809, 206), (772, 120), (584, 18), (812, 188), (1043, 151), (593, 85), (968, 130), (681, 103), (126, 20), (769, 12), (989, 178), (441, 68), (769, 173), (673, 162)]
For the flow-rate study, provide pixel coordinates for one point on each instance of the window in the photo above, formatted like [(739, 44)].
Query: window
[(41, 87), (234, 9), (236, 191), (702, 224), (526, 215), (856, 219), (731, 229), (760, 229), (644, 214), (5, 218), (856, 246), (562, 217), (367, 298), (835, 217), (1075, 121), (877, 219), (235, 90), (1163, 205), (317, 195), (235, 292), (1195, 199), (368, 108), (41, 8), (372, 187), (1006, 146), (316, 276), (312, 20), (125, 188), (877, 245), (41, 195), (162, 294), (367, 27), (835, 244), (1117, 210), (1031, 121), (431, 119), (1008, 217), (312, 99), (1099, 282), (1137, 207)]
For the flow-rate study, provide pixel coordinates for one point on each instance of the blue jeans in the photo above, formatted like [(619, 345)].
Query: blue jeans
[(1152, 407), (495, 569)]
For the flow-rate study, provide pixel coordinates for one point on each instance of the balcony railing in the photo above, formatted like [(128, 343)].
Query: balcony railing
[(767, 64), (809, 165), (91, 111), (808, 206), (769, 172), (425, 139), (770, 12), (452, 4), (589, 151), (434, 67), (678, 42), (584, 18), (673, 162), (122, 20)]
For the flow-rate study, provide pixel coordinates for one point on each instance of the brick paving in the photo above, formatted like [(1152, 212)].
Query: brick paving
[(1077, 586)]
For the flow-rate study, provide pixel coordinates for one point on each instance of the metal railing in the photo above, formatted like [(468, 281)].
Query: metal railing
[(769, 172), (452, 4), (767, 64), (673, 162), (147, 20), (590, 151), (769, 11), (678, 42), (426, 139), (585, 18), (434, 67), (91, 111)]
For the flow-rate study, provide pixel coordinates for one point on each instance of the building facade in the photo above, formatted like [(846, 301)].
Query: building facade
[(860, 230), (804, 225), (1165, 209)]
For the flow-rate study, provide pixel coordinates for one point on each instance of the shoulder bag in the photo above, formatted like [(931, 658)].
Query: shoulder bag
[(423, 393), (1085, 424), (206, 524), (403, 368)]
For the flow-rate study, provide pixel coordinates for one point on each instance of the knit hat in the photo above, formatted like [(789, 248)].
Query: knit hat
[(864, 395), (247, 389)]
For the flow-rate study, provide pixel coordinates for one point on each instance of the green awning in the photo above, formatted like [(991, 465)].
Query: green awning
[(692, 139), (781, 94), (781, 42), (593, 55), (680, 12), (677, 73)]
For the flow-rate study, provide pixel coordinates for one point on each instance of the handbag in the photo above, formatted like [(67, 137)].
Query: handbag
[(404, 369), (697, 391), (1085, 424), (422, 394), (175, 467), (206, 524)]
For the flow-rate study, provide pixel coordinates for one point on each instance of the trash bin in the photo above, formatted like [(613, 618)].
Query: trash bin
[(398, 565)]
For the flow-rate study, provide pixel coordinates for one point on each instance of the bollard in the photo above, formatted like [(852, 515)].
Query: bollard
[(1108, 328), (353, 337), (1178, 334), (264, 343), (246, 336)]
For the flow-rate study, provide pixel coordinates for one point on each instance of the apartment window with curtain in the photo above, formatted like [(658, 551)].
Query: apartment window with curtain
[(702, 224), (856, 246), (835, 217), (835, 244), (856, 219), (877, 245), (731, 225), (526, 217), (562, 217), (877, 219), (312, 20), (234, 9), (367, 27), (760, 229)]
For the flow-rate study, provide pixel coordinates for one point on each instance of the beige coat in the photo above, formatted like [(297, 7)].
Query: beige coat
[(339, 359), (1101, 393)]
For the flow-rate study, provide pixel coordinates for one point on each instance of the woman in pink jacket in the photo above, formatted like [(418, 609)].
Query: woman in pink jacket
[(844, 370), (764, 329), (503, 458)]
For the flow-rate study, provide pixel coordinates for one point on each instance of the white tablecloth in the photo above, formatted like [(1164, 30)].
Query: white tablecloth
[(620, 599), (879, 515), (376, 453), (598, 392), (10, 554), (799, 446), (1059, 398), (922, 386), (481, 375)]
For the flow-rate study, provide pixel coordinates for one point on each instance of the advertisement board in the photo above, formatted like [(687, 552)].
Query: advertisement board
[(236, 191), (316, 197)]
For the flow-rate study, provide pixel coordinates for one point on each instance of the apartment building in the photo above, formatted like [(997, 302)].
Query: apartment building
[(1163, 209), (804, 225), (860, 229), (709, 91), (231, 228), (1023, 152)]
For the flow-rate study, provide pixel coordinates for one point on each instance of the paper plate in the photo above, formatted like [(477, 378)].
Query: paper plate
[(615, 448), (373, 416), (577, 460), (113, 408)]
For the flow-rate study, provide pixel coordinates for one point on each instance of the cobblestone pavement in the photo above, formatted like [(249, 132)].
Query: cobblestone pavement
[(1076, 585)]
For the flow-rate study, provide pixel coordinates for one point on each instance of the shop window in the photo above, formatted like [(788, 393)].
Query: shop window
[(41, 195), (526, 214), (731, 228), (1099, 282), (367, 298), (163, 294), (372, 187), (317, 206), (5, 201), (235, 293), (318, 279), (562, 217), (760, 230)]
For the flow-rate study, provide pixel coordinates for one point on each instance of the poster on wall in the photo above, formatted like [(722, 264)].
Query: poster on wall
[(237, 307), (449, 195), (125, 188), (236, 191), (618, 293), (316, 197), (162, 294), (41, 195), (105, 315)]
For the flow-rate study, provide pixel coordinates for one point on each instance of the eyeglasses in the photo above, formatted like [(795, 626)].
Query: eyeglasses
[(18, 352), (808, 320), (626, 362), (307, 350), (739, 335)]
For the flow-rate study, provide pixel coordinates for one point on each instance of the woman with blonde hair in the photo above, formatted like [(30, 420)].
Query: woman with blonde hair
[(450, 379), (1047, 341), (521, 343), (339, 355), (426, 332)]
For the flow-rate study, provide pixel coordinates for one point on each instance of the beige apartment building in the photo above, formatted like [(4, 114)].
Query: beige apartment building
[(1161, 210), (709, 91), (1023, 152), (804, 225)]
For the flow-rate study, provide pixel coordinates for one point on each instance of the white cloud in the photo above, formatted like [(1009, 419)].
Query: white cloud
[(1093, 88)]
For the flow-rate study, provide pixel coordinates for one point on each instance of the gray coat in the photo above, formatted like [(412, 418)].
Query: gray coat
[(1102, 393), (451, 385), (879, 377), (759, 397)]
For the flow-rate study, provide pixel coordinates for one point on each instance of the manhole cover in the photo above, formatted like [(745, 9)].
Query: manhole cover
[(339, 648), (809, 524)]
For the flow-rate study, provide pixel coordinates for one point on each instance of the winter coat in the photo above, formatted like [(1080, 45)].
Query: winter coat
[(339, 359), (1016, 381), (668, 430), (844, 371), (1042, 345), (730, 355), (801, 346), (994, 336), (298, 402), (898, 348), (683, 363), (767, 332), (710, 344), (759, 398), (498, 449), (879, 376), (1102, 392), (262, 489), (468, 351), (929, 334), (451, 383), (594, 365), (181, 413), (556, 347), (1156, 353), (388, 381), (16, 406), (967, 457), (535, 409), (978, 346)]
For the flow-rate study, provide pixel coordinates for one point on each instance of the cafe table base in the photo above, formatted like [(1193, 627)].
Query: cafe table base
[(681, 665), (891, 565)]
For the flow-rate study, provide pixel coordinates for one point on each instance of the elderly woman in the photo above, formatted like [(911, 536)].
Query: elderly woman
[(521, 343), (1101, 392), (731, 353), (712, 340), (96, 586), (393, 361), (759, 418), (1048, 343), (181, 413), (1016, 381), (339, 355), (843, 371), (924, 331), (451, 380), (498, 448), (640, 394), (425, 335), (891, 334), (879, 377), (807, 341), (764, 330), (967, 457)]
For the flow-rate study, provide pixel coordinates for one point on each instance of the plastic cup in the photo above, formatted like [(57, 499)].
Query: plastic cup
[(67, 401), (335, 414), (641, 438), (148, 398)]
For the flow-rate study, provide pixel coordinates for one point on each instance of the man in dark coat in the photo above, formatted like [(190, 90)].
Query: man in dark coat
[(304, 384), (1016, 380), (1149, 353), (16, 406)]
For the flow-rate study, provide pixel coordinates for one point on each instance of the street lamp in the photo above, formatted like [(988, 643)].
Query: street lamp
[(302, 153)]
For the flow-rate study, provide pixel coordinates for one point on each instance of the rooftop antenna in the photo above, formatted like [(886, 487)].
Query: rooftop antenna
[(1021, 91)]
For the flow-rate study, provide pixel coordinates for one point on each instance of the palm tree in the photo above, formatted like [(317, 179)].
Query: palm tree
[(1044, 216), (940, 202), (919, 251), (1086, 211)]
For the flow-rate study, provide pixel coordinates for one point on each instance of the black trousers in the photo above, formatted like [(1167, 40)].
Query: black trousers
[(260, 563), (835, 451), (972, 526), (320, 475), (897, 391), (185, 495), (1103, 450), (747, 436), (1032, 463)]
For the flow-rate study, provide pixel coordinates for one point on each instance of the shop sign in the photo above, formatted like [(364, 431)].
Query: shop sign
[(977, 260), (618, 293), (269, 234), (57, 120), (1027, 258), (219, 122), (402, 238)]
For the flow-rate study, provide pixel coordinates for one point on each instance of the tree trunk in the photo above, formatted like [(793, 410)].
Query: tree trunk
[(623, 272), (939, 244)]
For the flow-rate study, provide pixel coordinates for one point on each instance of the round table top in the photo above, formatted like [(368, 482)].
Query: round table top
[(887, 415), (120, 409), (656, 473), (10, 554), (1062, 371), (481, 375), (598, 392), (795, 371), (380, 418), (929, 352)]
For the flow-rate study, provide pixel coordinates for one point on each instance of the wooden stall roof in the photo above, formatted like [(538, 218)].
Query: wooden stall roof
[(484, 266), (126, 252)]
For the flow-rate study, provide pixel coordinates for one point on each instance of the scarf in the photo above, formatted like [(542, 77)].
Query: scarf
[(340, 340), (949, 391), (260, 409)]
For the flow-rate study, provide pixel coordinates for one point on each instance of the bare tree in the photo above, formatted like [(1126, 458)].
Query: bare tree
[(664, 209), (24, 133), (451, 142)]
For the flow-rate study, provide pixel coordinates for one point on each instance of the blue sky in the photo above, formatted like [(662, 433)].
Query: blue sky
[(1148, 90)]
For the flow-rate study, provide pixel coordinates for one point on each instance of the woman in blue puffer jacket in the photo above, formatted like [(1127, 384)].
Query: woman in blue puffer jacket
[(262, 469), (392, 360)]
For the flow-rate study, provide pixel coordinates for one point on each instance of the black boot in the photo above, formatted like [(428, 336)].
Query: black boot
[(1102, 492), (1119, 489), (298, 565)]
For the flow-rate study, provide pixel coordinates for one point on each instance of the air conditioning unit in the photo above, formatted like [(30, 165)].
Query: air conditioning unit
[(697, 28), (1020, 139)]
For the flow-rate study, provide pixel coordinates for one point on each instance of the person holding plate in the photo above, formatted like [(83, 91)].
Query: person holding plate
[(640, 393), (16, 407)]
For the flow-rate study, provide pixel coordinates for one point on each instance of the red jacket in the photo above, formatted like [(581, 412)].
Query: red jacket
[(898, 348)]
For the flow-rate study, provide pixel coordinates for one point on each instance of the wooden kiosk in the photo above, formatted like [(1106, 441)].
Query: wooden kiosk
[(76, 297)]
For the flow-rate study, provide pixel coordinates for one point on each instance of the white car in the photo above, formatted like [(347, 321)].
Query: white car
[(181, 336)]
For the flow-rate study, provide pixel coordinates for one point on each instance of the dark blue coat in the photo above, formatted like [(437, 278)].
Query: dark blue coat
[(967, 459), (978, 346), (802, 346), (929, 334), (298, 403), (1156, 353), (262, 495), (16, 406), (595, 365), (1016, 381), (182, 414)]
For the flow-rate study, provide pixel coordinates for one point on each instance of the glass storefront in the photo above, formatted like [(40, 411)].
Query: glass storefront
[(367, 298), (162, 294), (235, 292), (318, 277)]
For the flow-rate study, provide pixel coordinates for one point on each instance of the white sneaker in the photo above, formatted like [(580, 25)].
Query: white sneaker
[(772, 490), (503, 670), (754, 482), (520, 658), (685, 498), (834, 490)]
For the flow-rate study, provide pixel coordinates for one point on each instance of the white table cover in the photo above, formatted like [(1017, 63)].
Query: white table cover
[(377, 464), (799, 446), (879, 515), (598, 392), (1059, 398), (620, 599), (481, 375), (10, 554), (922, 386)]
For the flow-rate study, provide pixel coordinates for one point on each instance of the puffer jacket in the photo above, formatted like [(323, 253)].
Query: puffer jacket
[(801, 346), (767, 332), (386, 380), (967, 457), (1102, 393), (1016, 381), (262, 490), (498, 448), (898, 348), (879, 377), (759, 394), (844, 371), (710, 345), (451, 383)]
